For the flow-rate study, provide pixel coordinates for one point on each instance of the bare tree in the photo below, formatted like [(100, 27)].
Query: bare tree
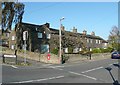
[(12, 12), (114, 37)]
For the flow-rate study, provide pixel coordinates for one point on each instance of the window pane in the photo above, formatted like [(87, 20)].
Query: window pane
[(91, 40), (48, 36), (12, 46), (13, 37), (66, 50), (87, 40), (99, 41), (44, 48), (96, 41), (39, 35)]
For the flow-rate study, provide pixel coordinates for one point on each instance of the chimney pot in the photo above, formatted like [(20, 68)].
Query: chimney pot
[(84, 32), (62, 28), (93, 33), (74, 30)]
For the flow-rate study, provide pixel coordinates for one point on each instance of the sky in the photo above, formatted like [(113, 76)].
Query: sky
[(99, 17)]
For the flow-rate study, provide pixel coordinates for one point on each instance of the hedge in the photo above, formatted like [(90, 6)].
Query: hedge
[(102, 50)]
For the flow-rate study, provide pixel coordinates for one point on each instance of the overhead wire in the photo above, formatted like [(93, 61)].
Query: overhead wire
[(46, 7)]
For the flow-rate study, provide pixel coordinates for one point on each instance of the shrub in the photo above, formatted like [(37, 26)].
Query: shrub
[(55, 51), (102, 50), (109, 49), (96, 50), (105, 50), (70, 50)]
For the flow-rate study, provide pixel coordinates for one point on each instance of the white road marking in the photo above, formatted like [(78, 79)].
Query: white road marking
[(47, 65), (10, 66), (51, 78), (89, 77), (38, 80), (83, 75), (110, 64), (92, 69), (51, 67), (59, 77), (14, 66), (59, 66), (54, 67)]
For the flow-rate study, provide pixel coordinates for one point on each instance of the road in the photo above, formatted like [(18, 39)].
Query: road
[(77, 72)]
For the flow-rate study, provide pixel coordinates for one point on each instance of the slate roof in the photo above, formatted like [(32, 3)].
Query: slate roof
[(76, 34), (56, 31)]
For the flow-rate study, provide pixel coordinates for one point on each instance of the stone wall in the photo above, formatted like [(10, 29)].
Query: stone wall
[(41, 57), (75, 57), (54, 59), (96, 56)]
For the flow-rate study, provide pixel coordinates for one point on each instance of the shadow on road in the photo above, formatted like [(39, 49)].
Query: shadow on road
[(117, 65), (115, 82)]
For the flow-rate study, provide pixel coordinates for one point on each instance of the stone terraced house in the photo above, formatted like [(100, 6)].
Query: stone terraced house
[(43, 38)]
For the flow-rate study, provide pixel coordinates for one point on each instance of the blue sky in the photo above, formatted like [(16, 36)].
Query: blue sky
[(91, 16)]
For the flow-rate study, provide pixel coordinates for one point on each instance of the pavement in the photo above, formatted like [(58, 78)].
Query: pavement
[(21, 63), (37, 64), (34, 64)]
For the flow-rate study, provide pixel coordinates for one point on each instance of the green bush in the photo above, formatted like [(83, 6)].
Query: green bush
[(109, 49), (96, 50), (70, 50), (55, 51), (102, 50)]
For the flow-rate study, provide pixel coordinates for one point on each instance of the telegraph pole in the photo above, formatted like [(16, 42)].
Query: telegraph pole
[(25, 36), (60, 55)]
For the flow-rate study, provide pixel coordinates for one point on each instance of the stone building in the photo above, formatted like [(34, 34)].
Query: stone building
[(12, 40), (4, 39), (43, 38)]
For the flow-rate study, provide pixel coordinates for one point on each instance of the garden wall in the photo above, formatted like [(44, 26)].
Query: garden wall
[(54, 59)]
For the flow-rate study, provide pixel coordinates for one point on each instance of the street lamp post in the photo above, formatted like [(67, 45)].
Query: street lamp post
[(60, 39)]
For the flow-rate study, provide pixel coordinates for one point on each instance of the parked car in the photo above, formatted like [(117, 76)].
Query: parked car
[(115, 55)]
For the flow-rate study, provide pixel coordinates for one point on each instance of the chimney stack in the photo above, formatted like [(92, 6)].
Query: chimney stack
[(93, 33), (84, 32), (74, 30), (47, 25), (62, 28)]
